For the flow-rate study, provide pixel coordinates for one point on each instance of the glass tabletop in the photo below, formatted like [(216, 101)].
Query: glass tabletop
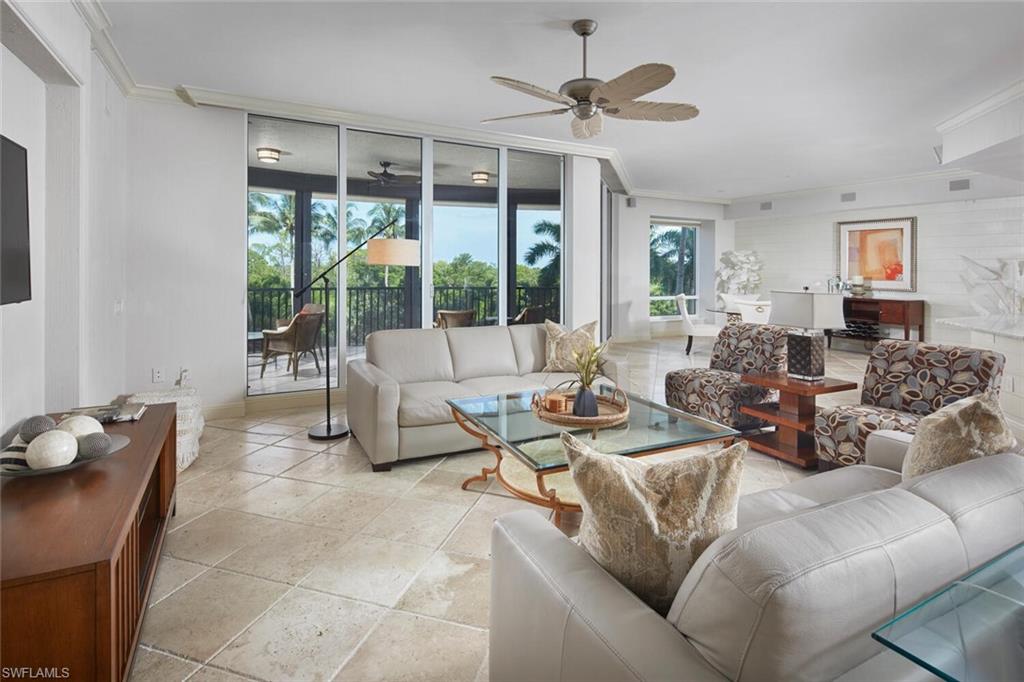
[(651, 427), (972, 630)]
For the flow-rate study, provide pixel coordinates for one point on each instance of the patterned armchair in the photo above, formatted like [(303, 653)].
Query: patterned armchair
[(904, 381), (717, 393)]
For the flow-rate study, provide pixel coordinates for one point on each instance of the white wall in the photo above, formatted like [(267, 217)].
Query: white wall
[(22, 335), (186, 248), (104, 244), (631, 260), (583, 241), (801, 251)]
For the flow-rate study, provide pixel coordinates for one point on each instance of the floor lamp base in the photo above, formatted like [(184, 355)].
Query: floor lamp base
[(330, 430)]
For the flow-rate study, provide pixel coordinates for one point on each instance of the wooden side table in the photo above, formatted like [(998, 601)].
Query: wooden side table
[(793, 416)]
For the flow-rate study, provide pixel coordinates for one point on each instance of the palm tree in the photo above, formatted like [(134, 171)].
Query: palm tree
[(274, 214), (672, 258), (549, 248), (356, 230)]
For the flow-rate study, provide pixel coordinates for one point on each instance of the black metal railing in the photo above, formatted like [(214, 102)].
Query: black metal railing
[(370, 309)]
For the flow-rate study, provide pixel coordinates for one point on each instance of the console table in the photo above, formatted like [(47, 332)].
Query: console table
[(865, 316), (80, 550), (793, 416)]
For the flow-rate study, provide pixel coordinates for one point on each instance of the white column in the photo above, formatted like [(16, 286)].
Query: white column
[(581, 252)]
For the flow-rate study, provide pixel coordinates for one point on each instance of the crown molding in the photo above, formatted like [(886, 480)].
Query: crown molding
[(912, 177), (312, 112), (98, 23), (983, 107), (676, 196)]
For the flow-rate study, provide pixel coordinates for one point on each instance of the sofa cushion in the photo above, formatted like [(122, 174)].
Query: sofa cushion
[(529, 340), (645, 523), (562, 345), (423, 403), (773, 602), (829, 486), (984, 498), (969, 428), (501, 384), (411, 355), (481, 352)]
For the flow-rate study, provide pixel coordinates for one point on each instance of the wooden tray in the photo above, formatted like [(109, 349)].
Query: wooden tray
[(612, 411)]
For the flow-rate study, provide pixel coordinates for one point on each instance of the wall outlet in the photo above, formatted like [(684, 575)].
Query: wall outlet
[(158, 375)]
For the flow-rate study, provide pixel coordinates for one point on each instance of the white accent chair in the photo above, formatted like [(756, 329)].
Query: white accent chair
[(729, 301), (692, 329), (756, 312)]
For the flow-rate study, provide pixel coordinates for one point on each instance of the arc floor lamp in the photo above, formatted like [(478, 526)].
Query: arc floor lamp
[(385, 251)]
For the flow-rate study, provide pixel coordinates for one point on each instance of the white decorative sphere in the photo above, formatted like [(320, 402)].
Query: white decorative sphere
[(80, 425), (51, 449)]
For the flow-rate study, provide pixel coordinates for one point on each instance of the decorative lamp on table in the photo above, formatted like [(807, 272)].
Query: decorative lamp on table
[(811, 313), (381, 251)]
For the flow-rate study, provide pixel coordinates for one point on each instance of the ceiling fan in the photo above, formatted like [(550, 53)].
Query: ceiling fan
[(386, 177), (587, 98)]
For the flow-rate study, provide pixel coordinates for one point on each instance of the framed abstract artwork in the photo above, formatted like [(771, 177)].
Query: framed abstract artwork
[(883, 252)]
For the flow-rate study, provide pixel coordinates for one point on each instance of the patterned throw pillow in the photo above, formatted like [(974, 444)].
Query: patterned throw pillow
[(647, 523), (967, 429), (562, 343)]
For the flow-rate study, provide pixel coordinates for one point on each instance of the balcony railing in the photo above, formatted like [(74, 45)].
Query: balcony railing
[(371, 309)]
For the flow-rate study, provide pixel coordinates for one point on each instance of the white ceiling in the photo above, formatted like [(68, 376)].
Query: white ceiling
[(792, 96)]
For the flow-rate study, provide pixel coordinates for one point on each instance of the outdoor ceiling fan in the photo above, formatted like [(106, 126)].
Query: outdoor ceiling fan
[(386, 177), (587, 97)]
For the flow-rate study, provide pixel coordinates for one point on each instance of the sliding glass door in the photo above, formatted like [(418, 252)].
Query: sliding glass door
[(384, 190), (534, 237), (292, 204), (465, 239)]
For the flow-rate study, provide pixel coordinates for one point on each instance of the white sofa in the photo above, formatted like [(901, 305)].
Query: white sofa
[(792, 594), (396, 396)]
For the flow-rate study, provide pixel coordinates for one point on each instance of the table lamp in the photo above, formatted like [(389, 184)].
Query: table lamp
[(811, 312)]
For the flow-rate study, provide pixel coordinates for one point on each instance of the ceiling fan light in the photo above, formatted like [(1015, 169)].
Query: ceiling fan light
[(268, 154), (480, 177)]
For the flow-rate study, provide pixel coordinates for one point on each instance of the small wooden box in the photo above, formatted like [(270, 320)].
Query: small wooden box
[(556, 402)]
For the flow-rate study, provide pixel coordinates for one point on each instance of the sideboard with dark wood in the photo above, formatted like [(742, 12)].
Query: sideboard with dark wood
[(866, 316), (80, 550)]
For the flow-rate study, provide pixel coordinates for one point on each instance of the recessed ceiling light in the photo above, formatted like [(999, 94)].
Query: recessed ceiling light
[(480, 177), (268, 154)]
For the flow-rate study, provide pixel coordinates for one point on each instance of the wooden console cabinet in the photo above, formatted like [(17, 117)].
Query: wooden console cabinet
[(865, 316), (80, 550)]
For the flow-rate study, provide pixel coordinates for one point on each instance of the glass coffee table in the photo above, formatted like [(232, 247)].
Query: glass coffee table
[(505, 423), (972, 630)]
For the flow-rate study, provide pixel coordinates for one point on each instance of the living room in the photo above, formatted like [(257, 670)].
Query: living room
[(647, 325)]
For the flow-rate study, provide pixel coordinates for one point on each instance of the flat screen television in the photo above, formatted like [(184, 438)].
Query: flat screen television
[(15, 272)]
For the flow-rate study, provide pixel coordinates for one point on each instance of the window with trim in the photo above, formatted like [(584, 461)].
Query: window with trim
[(673, 246)]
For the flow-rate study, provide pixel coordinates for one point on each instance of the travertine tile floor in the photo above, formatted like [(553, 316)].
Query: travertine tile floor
[(291, 560)]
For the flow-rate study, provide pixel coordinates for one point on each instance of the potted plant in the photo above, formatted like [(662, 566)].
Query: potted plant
[(588, 367)]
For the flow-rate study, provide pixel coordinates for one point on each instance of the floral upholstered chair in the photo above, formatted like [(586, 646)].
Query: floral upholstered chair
[(904, 381), (717, 393)]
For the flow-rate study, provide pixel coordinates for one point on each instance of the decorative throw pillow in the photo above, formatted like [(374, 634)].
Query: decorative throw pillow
[(562, 343), (647, 523), (967, 429)]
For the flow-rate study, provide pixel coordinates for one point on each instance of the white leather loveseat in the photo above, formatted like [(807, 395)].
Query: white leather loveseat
[(792, 594), (396, 396)]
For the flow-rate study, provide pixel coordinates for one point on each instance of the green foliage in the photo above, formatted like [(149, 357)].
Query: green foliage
[(263, 274), (463, 271), (673, 260), (548, 249)]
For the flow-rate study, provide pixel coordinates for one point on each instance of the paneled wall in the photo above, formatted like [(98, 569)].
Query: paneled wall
[(801, 251)]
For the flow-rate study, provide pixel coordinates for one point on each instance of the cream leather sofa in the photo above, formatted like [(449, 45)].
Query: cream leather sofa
[(793, 594), (396, 396)]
